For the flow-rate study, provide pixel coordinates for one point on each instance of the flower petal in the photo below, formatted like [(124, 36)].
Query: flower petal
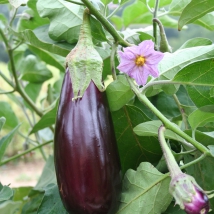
[(140, 75), (152, 69), (146, 48), (126, 66), (126, 55), (154, 58)]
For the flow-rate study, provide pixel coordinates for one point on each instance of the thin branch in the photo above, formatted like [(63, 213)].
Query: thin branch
[(112, 63), (7, 92), (108, 26), (168, 124), (154, 24), (181, 110), (18, 86), (24, 153), (75, 2)]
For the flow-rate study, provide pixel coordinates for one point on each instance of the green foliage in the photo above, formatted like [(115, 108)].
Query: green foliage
[(195, 10), (152, 184), (132, 148), (48, 175), (39, 37), (5, 193), (7, 112), (47, 120), (4, 141), (119, 93), (51, 203)]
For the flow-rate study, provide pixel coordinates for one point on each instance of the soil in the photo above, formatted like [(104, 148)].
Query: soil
[(21, 173)]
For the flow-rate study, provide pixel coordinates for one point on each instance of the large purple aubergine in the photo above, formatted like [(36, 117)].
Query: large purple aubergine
[(86, 158)]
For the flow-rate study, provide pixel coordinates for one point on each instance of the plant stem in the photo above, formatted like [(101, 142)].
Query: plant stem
[(166, 122), (169, 158), (109, 27), (13, 16), (74, 2), (112, 63), (155, 24), (160, 180), (181, 110), (185, 153), (7, 92), (6, 79), (114, 11), (17, 84), (153, 83), (24, 153)]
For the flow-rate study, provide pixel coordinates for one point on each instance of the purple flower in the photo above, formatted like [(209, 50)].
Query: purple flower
[(140, 61), (189, 195)]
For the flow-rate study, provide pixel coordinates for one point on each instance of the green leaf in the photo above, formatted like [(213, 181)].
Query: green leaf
[(150, 128), (10, 207), (2, 122), (194, 42), (33, 201), (32, 19), (50, 58), (33, 90), (133, 149), (39, 38), (194, 10), (51, 202), (68, 15), (206, 21), (198, 73), (174, 209), (165, 102), (177, 6), (117, 21), (4, 1), (48, 175), (211, 148), (97, 31), (20, 193), (4, 141), (5, 193), (145, 191), (137, 13), (34, 71), (17, 3), (7, 112), (47, 120), (212, 92), (199, 118), (151, 3), (200, 95), (119, 93), (173, 62)]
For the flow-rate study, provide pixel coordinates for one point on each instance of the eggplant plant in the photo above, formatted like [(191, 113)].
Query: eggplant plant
[(121, 115)]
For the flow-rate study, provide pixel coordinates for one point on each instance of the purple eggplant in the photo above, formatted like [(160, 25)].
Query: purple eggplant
[(85, 152)]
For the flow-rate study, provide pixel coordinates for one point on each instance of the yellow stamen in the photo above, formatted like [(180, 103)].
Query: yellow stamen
[(140, 60)]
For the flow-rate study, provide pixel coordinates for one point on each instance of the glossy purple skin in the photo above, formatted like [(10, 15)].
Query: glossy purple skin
[(85, 151), (199, 204)]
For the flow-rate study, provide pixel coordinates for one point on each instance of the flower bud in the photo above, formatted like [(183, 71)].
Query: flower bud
[(189, 195)]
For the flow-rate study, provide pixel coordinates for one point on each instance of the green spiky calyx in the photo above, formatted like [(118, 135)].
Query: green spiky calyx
[(84, 62)]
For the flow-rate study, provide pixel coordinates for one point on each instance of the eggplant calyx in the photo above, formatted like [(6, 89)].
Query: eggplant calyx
[(84, 62)]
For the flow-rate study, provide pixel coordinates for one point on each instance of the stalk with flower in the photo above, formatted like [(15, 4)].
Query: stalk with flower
[(186, 192), (140, 61)]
